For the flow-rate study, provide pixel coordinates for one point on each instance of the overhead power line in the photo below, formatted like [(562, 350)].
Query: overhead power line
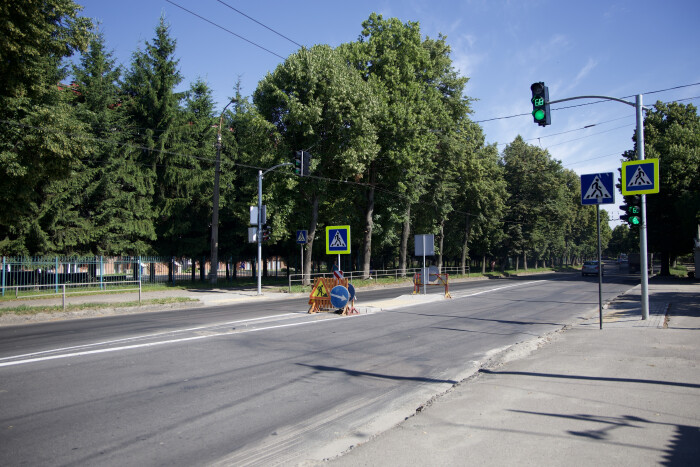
[(224, 29), (256, 21)]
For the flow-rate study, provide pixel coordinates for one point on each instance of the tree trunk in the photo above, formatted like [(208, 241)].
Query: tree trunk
[(369, 224), (404, 240), (465, 246), (525, 260), (483, 264), (308, 248)]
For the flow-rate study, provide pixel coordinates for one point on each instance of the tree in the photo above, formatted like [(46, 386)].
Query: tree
[(154, 112), (421, 97), (672, 135), (319, 104), (38, 143)]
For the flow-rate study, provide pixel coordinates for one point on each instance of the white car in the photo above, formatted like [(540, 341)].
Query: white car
[(591, 268)]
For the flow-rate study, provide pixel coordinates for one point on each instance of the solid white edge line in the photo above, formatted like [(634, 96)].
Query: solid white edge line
[(154, 344), (147, 336)]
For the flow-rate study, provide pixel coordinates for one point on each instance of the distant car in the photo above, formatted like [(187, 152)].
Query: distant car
[(622, 259), (591, 268)]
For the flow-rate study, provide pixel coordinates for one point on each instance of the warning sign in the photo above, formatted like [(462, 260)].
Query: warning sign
[(320, 290)]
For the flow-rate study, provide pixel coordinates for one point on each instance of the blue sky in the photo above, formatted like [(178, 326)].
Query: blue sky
[(613, 48)]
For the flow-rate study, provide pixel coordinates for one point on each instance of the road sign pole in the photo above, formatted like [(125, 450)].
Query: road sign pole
[(600, 270), (260, 177), (425, 279), (643, 225)]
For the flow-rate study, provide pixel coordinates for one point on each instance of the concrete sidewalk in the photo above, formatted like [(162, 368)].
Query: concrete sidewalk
[(628, 394)]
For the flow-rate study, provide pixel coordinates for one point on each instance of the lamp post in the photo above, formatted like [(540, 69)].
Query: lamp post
[(213, 271)]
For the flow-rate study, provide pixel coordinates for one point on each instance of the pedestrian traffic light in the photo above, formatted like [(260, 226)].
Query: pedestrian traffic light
[(632, 210), (540, 104)]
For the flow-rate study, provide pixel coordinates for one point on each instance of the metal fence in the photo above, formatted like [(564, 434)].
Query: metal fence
[(54, 271), (47, 291)]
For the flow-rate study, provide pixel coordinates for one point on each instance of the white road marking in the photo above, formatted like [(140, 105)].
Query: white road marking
[(147, 336), (37, 356)]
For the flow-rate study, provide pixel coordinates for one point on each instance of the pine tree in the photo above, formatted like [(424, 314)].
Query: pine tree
[(154, 112), (118, 188)]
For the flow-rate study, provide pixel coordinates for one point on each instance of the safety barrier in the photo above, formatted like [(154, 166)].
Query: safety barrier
[(320, 296), (442, 280)]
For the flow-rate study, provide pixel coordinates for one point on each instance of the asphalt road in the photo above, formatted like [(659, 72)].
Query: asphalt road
[(262, 383)]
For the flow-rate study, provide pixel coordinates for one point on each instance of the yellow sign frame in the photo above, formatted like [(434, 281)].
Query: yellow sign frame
[(632, 165), (335, 228)]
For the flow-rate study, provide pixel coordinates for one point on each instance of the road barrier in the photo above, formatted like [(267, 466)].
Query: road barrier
[(441, 280), (320, 296)]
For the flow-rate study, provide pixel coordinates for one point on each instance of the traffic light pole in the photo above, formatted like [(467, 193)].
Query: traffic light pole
[(643, 226), (260, 178)]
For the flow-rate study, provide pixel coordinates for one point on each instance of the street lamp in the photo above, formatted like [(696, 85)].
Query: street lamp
[(213, 271)]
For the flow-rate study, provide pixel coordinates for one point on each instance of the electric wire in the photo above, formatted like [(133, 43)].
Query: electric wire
[(225, 29), (261, 24)]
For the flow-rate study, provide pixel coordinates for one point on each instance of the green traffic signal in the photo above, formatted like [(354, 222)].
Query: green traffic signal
[(540, 104)]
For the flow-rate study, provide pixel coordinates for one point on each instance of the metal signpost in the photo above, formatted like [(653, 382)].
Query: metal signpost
[(598, 189), (424, 246), (260, 219), (302, 236)]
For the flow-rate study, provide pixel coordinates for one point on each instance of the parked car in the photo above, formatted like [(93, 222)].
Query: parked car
[(591, 267), (622, 259)]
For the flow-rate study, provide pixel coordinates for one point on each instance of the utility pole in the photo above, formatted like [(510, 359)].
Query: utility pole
[(214, 269)]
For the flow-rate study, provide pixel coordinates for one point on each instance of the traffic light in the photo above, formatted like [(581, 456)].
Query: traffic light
[(298, 162), (633, 210), (302, 163), (540, 104), (306, 164), (265, 233)]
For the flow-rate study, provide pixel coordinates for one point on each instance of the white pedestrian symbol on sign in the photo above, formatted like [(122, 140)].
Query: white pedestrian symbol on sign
[(338, 241), (597, 190), (640, 178), (302, 237)]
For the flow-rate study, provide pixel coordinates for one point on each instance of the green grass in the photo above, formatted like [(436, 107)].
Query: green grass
[(33, 310), (679, 270)]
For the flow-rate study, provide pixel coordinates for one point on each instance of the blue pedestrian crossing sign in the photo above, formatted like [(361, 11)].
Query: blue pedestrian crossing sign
[(640, 177), (597, 188), (302, 237), (338, 240)]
